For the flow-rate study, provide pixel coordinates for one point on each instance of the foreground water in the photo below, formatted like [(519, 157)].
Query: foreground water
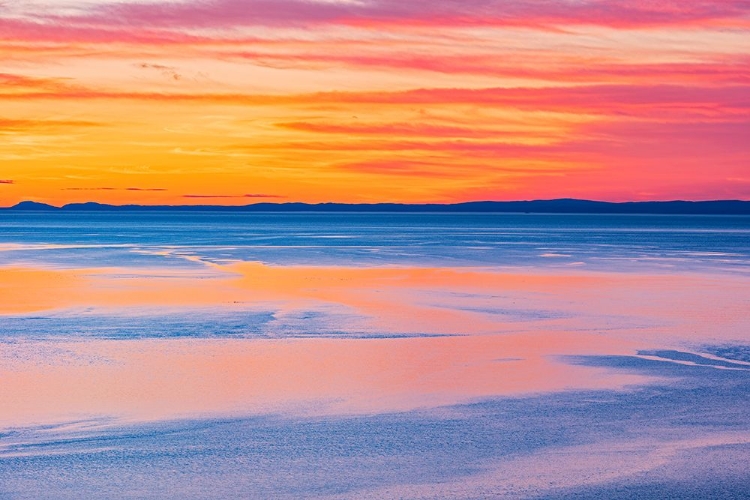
[(204, 355)]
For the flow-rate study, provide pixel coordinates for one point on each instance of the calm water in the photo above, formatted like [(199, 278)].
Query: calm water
[(601, 242), (204, 355)]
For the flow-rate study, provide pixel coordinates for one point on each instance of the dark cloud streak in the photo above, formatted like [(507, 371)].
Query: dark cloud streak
[(167, 71), (251, 195), (112, 189)]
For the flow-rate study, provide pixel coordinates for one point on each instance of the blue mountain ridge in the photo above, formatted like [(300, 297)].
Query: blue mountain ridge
[(564, 205)]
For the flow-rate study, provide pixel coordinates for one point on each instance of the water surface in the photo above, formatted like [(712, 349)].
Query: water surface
[(205, 355)]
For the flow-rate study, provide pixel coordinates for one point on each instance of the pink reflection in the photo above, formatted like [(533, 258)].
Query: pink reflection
[(158, 379), (500, 351)]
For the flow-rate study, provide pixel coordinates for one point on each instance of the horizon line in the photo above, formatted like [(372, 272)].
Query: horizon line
[(555, 205)]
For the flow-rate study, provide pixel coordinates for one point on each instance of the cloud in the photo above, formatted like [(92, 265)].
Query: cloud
[(14, 84), (529, 13), (577, 98), (411, 168), (161, 22), (393, 129), (71, 30), (660, 102), (42, 126), (112, 189), (7, 181), (442, 168), (548, 66), (251, 195), (167, 71)]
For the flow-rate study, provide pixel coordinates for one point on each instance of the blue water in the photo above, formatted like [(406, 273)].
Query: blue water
[(596, 242), (686, 437), (395, 455)]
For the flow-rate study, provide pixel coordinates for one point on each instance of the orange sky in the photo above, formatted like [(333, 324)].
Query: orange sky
[(240, 101)]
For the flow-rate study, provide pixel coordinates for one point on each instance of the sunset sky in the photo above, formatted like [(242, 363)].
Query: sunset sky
[(241, 101)]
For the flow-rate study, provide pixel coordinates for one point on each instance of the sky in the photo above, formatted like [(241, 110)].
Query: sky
[(243, 101)]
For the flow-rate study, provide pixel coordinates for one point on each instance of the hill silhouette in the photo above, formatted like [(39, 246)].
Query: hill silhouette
[(564, 205)]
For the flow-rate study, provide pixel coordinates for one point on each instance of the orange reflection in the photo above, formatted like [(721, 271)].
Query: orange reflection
[(28, 290), (409, 300)]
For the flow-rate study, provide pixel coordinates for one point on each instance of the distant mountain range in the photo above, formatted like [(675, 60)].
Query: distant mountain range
[(565, 205)]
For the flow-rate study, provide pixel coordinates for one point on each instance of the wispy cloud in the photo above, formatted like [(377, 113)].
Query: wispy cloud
[(192, 21), (16, 125), (534, 13), (641, 100), (395, 129), (251, 195), (167, 71), (551, 67), (112, 189)]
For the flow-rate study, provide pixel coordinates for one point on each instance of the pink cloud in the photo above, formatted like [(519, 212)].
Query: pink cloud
[(549, 66), (165, 22), (605, 138), (42, 28), (228, 13), (662, 102), (583, 98)]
